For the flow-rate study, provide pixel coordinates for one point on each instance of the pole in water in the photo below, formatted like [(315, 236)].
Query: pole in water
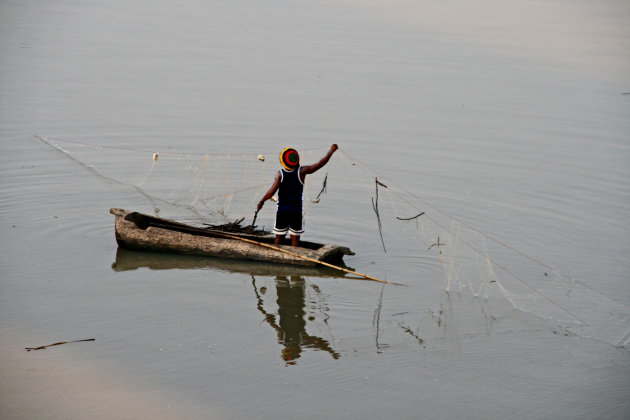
[(307, 258)]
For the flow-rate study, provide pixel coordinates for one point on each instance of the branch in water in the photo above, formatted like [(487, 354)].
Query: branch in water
[(409, 218), (57, 344), (378, 216)]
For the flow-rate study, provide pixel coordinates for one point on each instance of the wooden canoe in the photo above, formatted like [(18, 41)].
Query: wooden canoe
[(148, 233)]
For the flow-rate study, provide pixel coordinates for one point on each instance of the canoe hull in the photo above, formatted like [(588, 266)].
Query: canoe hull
[(132, 235)]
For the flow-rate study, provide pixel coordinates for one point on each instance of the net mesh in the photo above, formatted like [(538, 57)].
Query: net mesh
[(209, 187), (477, 266)]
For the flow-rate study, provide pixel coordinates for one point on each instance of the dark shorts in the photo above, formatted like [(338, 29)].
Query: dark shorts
[(289, 221)]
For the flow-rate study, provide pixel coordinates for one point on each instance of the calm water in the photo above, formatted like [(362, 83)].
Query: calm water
[(512, 119)]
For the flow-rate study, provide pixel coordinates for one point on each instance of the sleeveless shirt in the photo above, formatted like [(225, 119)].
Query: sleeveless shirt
[(291, 192)]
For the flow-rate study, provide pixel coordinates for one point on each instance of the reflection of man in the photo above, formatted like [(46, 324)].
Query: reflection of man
[(291, 326), (291, 311)]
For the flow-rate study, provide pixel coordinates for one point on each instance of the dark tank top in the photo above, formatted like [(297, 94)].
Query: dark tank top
[(291, 192)]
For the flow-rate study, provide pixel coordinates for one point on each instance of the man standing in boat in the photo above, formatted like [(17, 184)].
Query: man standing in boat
[(289, 183)]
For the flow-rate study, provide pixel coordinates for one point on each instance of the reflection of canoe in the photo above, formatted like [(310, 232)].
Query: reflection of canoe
[(129, 259), (140, 231)]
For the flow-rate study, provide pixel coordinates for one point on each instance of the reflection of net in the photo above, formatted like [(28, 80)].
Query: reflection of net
[(221, 188)]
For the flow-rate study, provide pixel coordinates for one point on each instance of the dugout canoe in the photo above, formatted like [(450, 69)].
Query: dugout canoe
[(148, 233)]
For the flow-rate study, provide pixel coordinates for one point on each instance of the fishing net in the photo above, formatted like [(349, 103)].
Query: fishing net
[(406, 230), (479, 268), (204, 187)]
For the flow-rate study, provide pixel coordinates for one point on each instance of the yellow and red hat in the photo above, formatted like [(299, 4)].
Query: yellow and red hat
[(290, 159)]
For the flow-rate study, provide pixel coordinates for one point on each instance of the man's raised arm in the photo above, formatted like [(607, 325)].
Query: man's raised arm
[(309, 169)]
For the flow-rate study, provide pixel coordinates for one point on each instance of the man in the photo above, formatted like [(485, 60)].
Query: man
[(289, 183)]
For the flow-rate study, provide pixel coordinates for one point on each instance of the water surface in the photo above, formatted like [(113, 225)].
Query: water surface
[(508, 119)]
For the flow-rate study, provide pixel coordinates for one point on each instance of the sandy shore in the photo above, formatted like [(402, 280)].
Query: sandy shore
[(49, 384)]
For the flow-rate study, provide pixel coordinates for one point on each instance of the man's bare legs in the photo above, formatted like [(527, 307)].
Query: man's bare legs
[(295, 240)]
